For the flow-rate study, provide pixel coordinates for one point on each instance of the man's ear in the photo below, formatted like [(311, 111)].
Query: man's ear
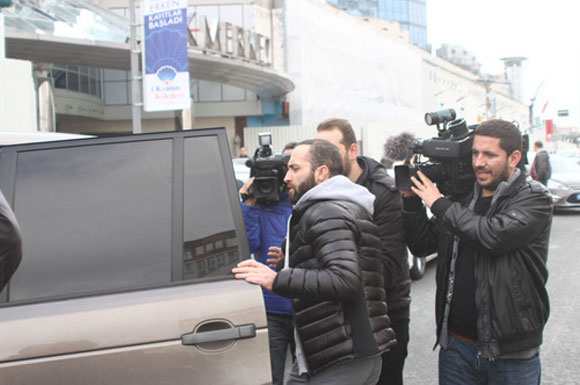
[(353, 151), (514, 159), (321, 174)]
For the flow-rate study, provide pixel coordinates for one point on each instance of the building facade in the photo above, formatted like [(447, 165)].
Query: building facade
[(410, 14)]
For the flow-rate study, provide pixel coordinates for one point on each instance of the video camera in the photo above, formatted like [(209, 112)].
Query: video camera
[(449, 164), (268, 171)]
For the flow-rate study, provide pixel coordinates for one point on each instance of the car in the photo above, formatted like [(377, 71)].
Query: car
[(241, 171), (569, 153), (564, 184), (128, 245)]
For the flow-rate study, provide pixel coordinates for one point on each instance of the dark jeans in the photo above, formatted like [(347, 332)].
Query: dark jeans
[(460, 364), (280, 335), (394, 359)]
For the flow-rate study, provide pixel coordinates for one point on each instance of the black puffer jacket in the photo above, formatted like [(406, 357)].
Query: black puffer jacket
[(335, 277), (10, 243), (511, 248), (387, 216)]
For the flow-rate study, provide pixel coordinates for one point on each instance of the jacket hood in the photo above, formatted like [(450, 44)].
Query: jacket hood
[(340, 188)]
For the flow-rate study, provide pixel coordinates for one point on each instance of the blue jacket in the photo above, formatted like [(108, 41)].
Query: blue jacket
[(266, 227)]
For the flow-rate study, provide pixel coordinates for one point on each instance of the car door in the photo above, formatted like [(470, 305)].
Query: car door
[(128, 243)]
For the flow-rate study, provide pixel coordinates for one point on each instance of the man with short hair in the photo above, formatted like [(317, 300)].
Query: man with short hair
[(491, 300), (387, 216), (332, 273), (541, 169)]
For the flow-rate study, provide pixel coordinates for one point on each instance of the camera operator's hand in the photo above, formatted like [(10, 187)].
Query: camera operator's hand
[(244, 191), (275, 254), (425, 189)]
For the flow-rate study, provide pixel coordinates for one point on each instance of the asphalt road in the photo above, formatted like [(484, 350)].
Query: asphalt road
[(561, 347)]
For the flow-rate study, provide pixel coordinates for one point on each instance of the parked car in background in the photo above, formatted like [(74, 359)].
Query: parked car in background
[(569, 153), (565, 182), (241, 171), (128, 245)]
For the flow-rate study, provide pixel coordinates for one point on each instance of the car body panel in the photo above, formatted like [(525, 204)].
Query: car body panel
[(564, 184), (128, 245)]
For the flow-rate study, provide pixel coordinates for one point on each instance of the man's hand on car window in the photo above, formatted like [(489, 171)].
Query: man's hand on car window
[(255, 272)]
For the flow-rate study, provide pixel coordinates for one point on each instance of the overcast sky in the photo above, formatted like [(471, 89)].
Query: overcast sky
[(547, 33)]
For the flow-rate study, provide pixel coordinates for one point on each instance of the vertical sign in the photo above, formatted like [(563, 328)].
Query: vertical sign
[(166, 71), (550, 130)]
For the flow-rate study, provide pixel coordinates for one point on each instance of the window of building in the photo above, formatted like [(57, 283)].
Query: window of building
[(86, 80)]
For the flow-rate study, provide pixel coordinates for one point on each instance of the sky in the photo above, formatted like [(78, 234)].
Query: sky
[(547, 33)]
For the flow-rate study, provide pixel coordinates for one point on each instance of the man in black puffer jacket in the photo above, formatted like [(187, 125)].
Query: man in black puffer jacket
[(387, 216), (491, 301), (333, 274)]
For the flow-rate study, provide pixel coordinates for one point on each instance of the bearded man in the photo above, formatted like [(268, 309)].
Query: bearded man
[(491, 300), (332, 272)]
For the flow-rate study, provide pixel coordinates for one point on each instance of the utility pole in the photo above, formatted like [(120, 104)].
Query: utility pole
[(135, 73), (532, 100)]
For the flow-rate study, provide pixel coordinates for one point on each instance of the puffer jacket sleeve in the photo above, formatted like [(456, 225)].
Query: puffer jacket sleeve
[(518, 224), (330, 267), (10, 243)]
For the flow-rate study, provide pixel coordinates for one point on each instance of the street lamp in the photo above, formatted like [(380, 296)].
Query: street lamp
[(532, 100)]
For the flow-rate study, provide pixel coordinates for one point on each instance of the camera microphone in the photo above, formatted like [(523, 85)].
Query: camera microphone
[(400, 147), (441, 116)]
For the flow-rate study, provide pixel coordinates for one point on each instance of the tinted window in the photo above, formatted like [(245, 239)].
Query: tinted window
[(72, 242), (210, 240)]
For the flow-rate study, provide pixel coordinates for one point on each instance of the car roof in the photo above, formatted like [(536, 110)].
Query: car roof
[(13, 137)]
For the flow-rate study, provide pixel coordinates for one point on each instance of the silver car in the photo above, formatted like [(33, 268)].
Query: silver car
[(565, 182), (128, 245)]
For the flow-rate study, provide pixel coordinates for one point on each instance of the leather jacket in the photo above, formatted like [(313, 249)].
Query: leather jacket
[(335, 281), (388, 218), (510, 244)]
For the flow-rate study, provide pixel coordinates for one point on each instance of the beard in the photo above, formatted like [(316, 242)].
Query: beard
[(302, 188), (346, 166), (493, 183)]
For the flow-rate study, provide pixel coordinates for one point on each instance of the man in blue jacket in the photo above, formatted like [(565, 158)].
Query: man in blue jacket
[(265, 229)]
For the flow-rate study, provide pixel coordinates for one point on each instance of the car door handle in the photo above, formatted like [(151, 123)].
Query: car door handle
[(235, 333)]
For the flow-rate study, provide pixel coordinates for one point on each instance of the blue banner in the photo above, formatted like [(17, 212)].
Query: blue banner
[(166, 69)]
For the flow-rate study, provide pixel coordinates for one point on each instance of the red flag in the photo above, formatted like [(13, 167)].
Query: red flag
[(545, 105)]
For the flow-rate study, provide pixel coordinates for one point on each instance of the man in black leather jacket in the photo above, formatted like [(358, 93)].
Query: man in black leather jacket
[(332, 274), (491, 301), (387, 216)]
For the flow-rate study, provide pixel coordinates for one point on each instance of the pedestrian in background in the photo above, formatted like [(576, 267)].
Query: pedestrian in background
[(541, 169), (387, 216), (491, 299)]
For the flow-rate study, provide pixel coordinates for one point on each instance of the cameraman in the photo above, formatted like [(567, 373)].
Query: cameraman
[(266, 229), (491, 300)]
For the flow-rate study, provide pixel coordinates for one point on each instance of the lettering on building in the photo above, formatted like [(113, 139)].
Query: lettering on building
[(230, 40)]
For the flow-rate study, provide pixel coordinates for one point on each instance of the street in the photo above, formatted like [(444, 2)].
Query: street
[(561, 336)]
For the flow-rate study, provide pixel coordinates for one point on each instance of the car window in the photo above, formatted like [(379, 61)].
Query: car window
[(72, 243), (210, 243), (104, 217), (561, 165)]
